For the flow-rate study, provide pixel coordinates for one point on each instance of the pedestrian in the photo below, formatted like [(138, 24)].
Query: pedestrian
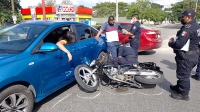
[(126, 55), (134, 34), (185, 47), (112, 39), (197, 75)]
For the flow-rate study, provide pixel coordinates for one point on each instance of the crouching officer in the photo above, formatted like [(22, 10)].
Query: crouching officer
[(126, 55), (185, 47)]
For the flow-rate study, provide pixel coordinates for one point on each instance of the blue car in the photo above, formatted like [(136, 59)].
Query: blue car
[(32, 66)]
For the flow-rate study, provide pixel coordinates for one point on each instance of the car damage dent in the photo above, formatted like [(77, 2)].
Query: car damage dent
[(86, 61)]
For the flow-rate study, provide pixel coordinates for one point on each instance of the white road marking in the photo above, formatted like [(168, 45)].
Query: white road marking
[(61, 100), (89, 97), (120, 94)]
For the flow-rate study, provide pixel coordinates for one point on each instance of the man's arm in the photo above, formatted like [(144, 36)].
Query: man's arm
[(103, 27), (98, 34), (181, 40)]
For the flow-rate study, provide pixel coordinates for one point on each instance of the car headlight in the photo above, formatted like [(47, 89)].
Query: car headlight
[(92, 63)]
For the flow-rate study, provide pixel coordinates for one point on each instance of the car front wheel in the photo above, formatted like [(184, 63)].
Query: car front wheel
[(16, 98)]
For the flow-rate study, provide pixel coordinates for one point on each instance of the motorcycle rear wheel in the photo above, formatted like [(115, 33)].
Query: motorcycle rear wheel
[(158, 78), (87, 81)]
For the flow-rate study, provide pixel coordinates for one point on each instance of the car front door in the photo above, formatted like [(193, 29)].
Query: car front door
[(55, 69), (88, 44)]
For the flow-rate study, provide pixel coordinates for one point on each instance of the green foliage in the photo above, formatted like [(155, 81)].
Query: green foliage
[(50, 2), (147, 10), (67, 2), (156, 6), (179, 7), (133, 9), (106, 9), (6, 10), (144, 8), (39, 5), (82, 6)]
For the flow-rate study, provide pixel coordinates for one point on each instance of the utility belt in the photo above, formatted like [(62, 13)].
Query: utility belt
[(130, 56), (184, 54)]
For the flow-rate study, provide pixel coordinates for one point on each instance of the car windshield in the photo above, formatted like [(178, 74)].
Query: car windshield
[(17, 38)]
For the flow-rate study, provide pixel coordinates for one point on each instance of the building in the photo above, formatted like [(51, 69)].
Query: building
[(28, 13), (83, 14), (60, 12)]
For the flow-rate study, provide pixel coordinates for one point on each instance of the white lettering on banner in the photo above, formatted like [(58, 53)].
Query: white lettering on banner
[(112, 36)]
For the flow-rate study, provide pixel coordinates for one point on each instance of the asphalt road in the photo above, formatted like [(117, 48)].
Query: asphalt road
[(72, 99)]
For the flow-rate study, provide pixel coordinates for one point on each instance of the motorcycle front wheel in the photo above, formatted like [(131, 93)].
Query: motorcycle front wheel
[(150, 79), (88, 81)]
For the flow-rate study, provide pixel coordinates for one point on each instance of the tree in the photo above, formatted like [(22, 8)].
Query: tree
[(67, 2), (39, 5), (147, 10), (155, 14), (6, 10), (82, 6), (133, 9), (106, 9), (138, 8), (50, 2), (156, 6), (179, 7)]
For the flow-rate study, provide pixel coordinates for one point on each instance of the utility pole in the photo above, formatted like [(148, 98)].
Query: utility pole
[(13, 12), (196, 6), (117, 10), (43, 10)]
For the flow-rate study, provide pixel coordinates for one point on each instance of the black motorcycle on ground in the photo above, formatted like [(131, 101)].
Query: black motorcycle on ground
[(142, 75)]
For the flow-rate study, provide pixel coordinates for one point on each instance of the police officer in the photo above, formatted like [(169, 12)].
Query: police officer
[(134, 33), (126, 55), (197, 75), (185, 47), (112, 39)]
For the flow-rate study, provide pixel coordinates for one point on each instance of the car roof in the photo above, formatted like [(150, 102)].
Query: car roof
[(51, 22)]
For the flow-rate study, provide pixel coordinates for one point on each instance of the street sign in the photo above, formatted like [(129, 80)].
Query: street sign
[(14, 18)]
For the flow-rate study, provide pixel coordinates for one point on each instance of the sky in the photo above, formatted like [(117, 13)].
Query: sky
[(90, 3)]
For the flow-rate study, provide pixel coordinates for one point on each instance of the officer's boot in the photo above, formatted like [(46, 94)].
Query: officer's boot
[(181, 96), (174, 88)]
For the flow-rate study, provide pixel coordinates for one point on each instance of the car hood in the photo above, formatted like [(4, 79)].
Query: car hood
[(6, 58)]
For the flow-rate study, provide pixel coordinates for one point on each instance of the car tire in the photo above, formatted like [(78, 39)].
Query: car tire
[(79, 76), (16, 98), (103, 56)]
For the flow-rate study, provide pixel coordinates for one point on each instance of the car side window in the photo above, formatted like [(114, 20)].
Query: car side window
[(84, 32), (93, 32), (126, 26), (56, 34)]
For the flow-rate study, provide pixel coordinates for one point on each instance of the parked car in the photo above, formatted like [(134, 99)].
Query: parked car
[(149, 38), (32, 66)]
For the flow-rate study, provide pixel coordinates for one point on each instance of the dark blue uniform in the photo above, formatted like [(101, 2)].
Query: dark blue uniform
[(186, 60), (127, 54), (197, 75), (136, 31)]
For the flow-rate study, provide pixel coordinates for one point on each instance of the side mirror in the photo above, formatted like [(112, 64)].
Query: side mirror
[(48, 47)]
